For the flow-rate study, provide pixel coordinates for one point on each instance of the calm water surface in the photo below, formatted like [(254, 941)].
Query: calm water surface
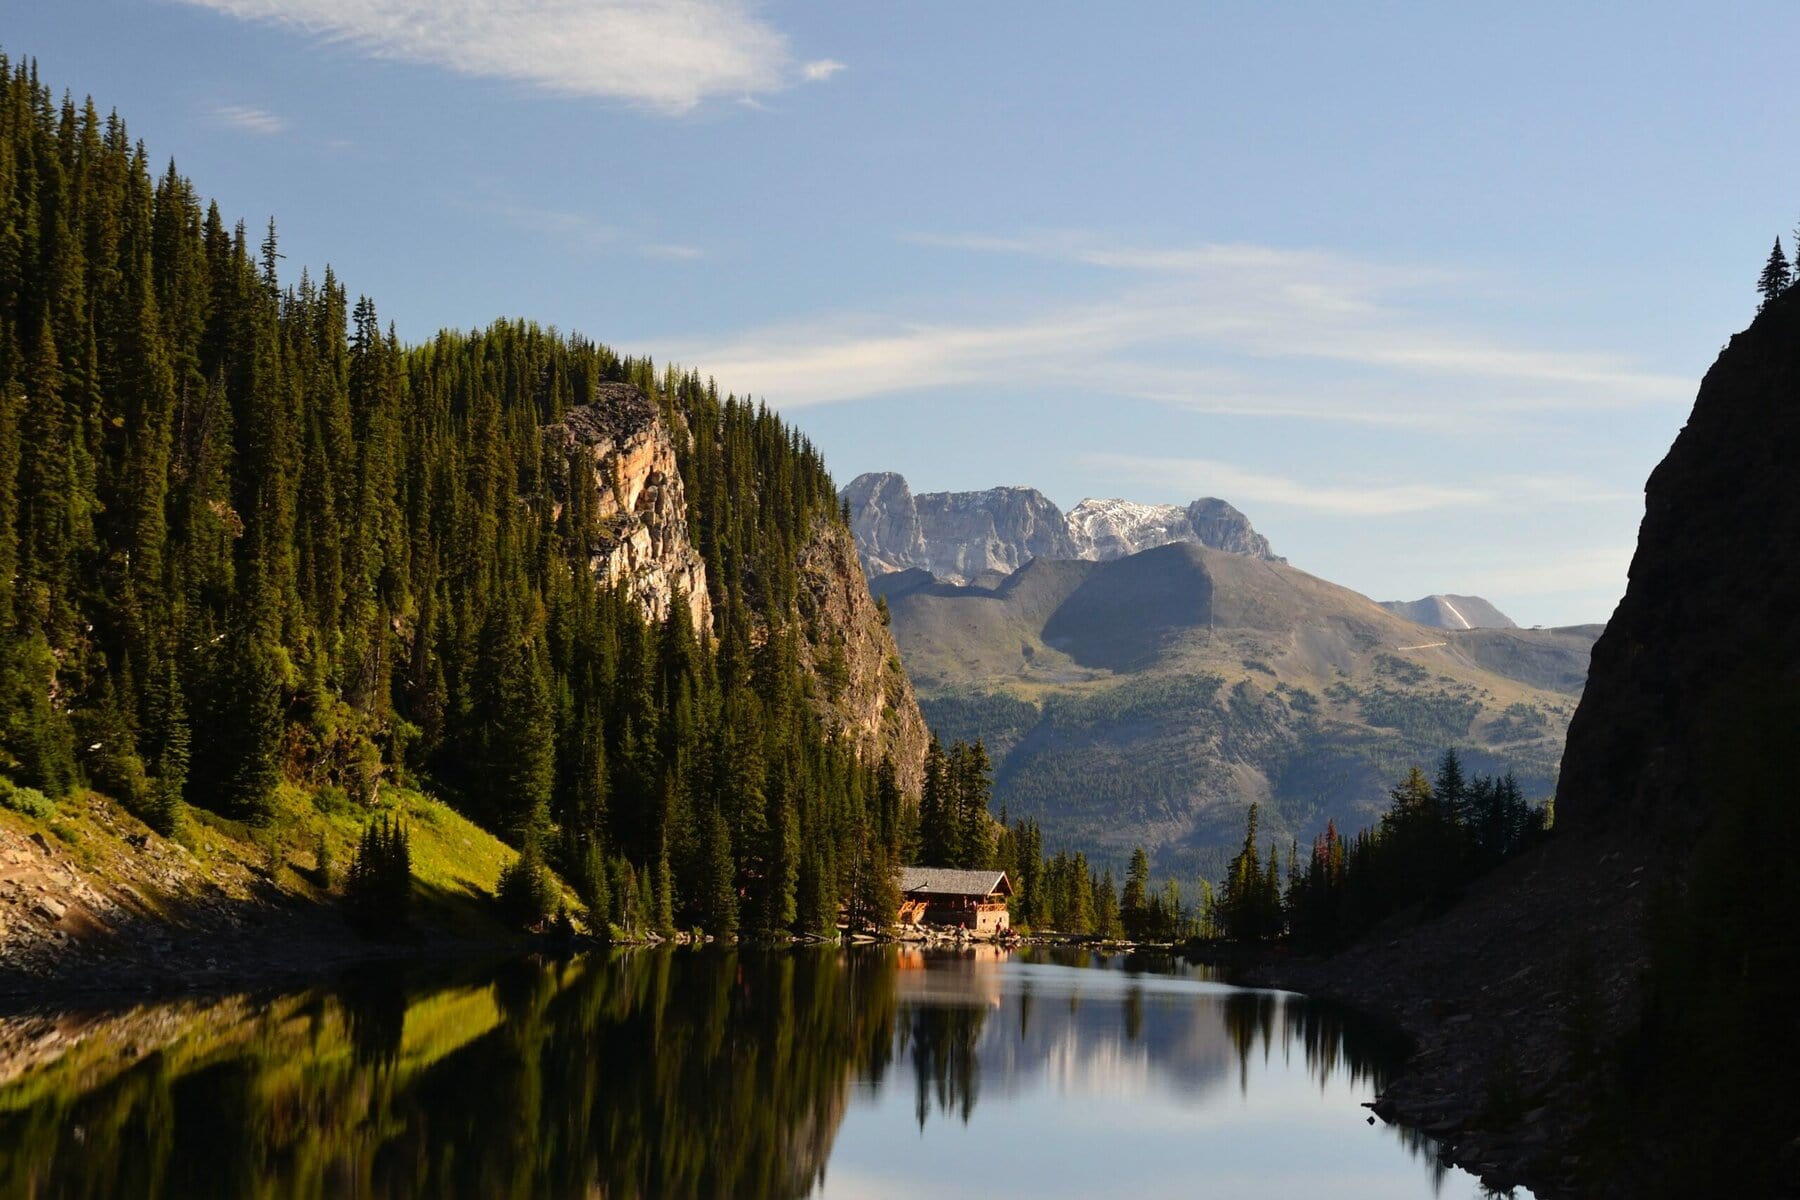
[(828, 1073)]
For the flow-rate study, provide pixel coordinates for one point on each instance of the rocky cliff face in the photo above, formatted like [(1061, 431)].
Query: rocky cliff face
[(886, 522), (1710, 622), (1107, 529), (862, 688), (1001, 529), (963, 537), (640, 509), (638, 499), (1219, 525), (1451, 612)]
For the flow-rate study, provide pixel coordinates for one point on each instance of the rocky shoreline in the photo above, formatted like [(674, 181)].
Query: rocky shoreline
[(1509, 1000)]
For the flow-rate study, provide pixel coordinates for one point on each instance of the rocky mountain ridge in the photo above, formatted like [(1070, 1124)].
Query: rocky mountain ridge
[(968, 537)]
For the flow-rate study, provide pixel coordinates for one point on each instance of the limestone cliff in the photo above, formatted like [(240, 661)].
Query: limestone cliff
[(1001, 529), (886, 522), (1219, 525), (860, 686), (637, 498), (981, 537)]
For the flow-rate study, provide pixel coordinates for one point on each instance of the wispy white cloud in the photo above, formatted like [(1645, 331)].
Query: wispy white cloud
[(1205, 476), (1233, 330), (571, 228), (1228, 328), (589, 234), (668, 55), (249, 119), (1367, 496), (674, 251)]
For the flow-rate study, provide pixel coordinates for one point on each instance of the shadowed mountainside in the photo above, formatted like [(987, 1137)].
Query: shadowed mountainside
[(1154, 697), (1612, 1014)]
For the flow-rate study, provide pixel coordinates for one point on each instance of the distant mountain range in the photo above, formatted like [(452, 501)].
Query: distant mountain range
[(1142, 673), (971, 537)]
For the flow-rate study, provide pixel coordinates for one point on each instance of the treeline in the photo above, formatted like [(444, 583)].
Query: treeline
[(1434, 837), (1064, 894), (248, 539)]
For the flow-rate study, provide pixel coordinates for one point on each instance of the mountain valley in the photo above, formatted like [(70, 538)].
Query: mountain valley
[(1151, 696)]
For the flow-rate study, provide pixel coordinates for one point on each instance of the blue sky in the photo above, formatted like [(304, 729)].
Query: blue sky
[(1425, 291)]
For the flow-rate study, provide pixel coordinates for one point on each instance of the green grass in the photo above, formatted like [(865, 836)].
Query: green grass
[(456, 863)]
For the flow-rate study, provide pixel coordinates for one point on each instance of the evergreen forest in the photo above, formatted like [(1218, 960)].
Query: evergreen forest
[(252, 545)]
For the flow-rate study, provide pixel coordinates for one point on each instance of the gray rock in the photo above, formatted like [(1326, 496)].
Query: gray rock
[(978, 538)]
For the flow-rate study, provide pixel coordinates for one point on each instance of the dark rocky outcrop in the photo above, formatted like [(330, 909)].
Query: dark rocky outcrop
[(1713, 606), (1629, 987)]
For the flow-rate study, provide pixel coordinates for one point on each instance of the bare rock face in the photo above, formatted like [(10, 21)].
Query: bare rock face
[(1708, 633), (1000, 529), (885, 521), (638, 499), (863, 692), (964, 537), (1219, 525)]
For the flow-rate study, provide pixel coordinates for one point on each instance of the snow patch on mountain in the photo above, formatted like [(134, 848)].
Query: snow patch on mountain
[(1112, 528)]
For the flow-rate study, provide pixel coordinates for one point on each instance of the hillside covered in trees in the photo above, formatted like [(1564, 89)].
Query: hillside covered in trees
[(253, 548)]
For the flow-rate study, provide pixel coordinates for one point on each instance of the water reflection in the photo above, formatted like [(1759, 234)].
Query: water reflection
[(640, 1074)]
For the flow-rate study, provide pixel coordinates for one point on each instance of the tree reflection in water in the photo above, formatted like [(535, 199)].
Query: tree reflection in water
[(635, 1074)]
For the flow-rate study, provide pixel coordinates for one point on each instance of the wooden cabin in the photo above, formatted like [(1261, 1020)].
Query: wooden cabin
[(947, 896)]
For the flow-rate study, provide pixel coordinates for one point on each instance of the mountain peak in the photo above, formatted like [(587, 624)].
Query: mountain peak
[(959, 536), (1451, 612)]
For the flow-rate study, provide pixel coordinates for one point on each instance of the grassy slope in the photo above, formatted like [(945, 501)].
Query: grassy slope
[(104, 862)]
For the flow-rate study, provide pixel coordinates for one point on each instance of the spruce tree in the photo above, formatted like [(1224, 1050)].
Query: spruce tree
[(1774, 278)]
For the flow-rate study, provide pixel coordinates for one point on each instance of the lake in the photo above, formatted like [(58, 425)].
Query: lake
[(842, 1074)]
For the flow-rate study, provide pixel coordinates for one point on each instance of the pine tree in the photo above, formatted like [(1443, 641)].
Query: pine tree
[(1774, 279), (378, 886), (1106, 908), (1134, 903), (717, 909), (939, 817), (525, 893), (243, 717)]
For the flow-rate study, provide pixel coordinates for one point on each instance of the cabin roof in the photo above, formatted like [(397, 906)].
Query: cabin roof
[(951, 881)]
